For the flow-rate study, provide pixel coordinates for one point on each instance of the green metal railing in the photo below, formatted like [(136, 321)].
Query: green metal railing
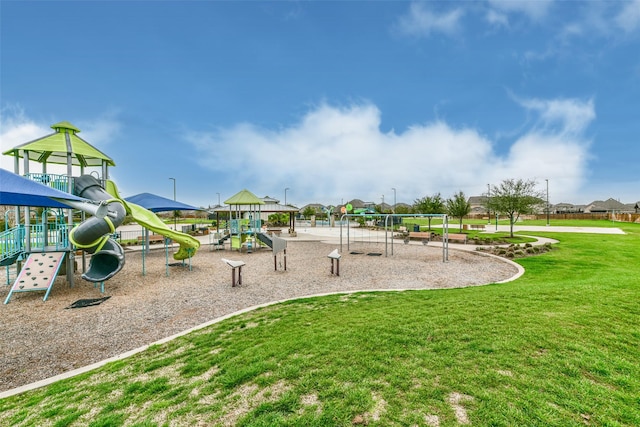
[(59, 182), (11, 244)]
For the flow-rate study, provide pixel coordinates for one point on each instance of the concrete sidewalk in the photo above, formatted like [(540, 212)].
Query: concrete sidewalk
[(555, 229)]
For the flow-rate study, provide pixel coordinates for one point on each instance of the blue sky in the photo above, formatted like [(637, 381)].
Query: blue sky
[(333, 100)]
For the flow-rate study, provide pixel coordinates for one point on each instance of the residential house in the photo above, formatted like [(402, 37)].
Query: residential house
[(609, 205)]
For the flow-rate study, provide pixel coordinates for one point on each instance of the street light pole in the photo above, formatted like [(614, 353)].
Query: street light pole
[(547, 202), (218, 199), (394, 200), (175, 219), (488, 203), (285, 196)]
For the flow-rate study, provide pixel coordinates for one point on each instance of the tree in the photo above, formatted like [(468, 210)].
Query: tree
[(403, 209), (513, 198), (308, 212), (458, 206), (429, 205), (277, 219)]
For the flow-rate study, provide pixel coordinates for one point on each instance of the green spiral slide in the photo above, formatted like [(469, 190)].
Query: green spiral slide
[(188, 244)]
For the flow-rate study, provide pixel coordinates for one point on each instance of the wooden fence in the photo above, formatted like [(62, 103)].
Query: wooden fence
[(621, 217)]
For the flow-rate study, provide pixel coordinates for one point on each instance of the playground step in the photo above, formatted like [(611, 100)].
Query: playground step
[(38, 274)]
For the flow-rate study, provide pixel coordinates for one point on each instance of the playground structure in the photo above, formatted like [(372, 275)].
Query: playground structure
[(245, 227), (59, 238), (244, 220)]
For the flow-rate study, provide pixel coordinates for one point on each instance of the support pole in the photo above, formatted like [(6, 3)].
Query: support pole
[(233, 276), (335, 262)]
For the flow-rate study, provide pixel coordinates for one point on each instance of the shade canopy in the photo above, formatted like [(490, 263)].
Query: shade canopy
[(244, 197), (155, 203), (16, 190), (56, 148)]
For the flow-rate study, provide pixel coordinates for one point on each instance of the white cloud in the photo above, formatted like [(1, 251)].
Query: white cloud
[(16, 129), (334, 153), (534, 9), (422, 22), (629, 17), (497, 19), (341, 153), (540, 156), (563, 116)]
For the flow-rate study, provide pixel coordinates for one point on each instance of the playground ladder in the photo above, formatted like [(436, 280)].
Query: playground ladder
[(38, 274)]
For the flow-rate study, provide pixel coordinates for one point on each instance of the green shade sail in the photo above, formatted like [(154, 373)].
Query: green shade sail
[(55, 147)]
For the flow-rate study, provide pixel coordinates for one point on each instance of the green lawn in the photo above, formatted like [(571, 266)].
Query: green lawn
[(558, 347)]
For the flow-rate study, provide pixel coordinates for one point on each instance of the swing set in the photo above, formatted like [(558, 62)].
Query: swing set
[(389, 221)]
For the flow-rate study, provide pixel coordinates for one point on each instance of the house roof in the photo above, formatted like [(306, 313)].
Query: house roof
[(268, 204), (314, 206), (606, 206), (268, 199), (477, 200)]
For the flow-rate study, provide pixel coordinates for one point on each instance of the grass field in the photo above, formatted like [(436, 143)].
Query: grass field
[(558, 347)]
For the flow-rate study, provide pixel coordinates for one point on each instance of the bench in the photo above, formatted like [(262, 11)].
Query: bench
[(425, 236), (458, 237), (274, 231), (153, 238), (420, 235), (477, 226)]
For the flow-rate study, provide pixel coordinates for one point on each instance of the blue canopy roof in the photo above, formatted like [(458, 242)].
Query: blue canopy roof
[(159, 204), (16, 190)]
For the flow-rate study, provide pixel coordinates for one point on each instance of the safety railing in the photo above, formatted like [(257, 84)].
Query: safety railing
[(49, 236), (59, 182), (11, 244)]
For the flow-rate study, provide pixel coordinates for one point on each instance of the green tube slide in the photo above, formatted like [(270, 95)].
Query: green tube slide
[(188, 244)]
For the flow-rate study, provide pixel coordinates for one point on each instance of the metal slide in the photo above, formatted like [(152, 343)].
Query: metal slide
[(94, 235), (265, 239), (277, 245)]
